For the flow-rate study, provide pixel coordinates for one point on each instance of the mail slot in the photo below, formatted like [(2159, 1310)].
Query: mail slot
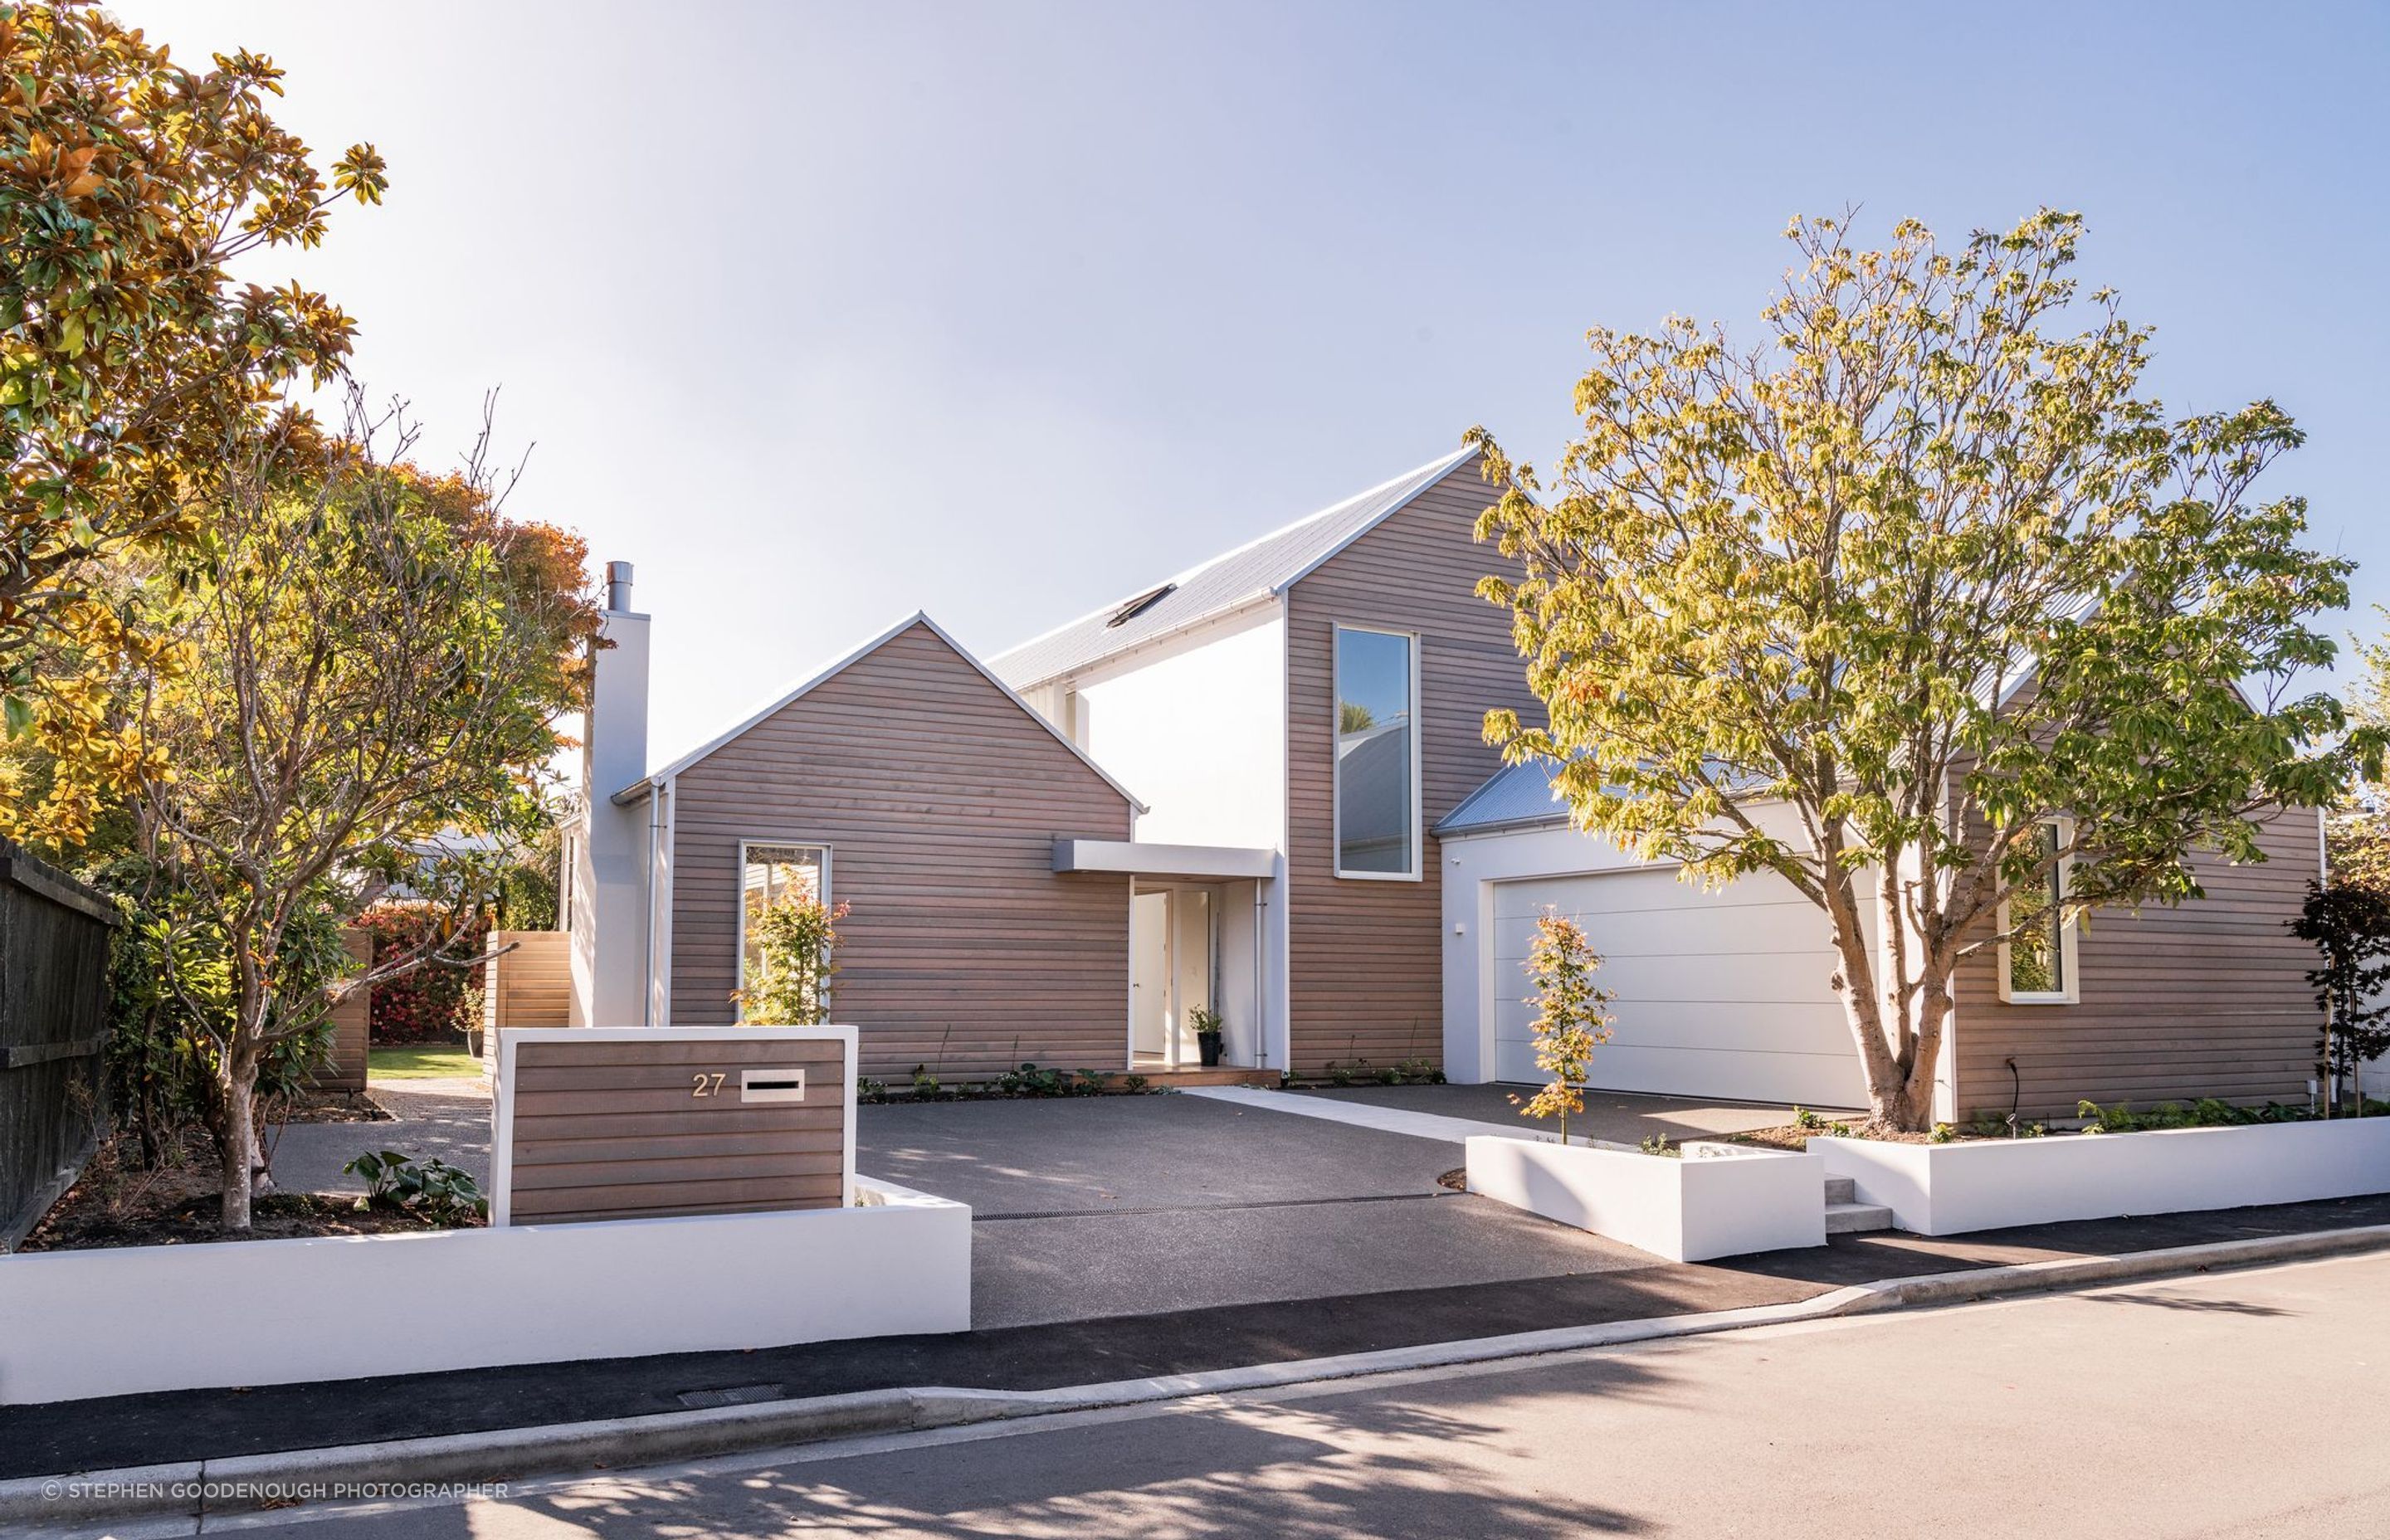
[(639, 1122), (786, 1084)]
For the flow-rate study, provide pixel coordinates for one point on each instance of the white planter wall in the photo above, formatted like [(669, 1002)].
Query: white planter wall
[(1983, 1184), (111, 1322), (1717, 1200)]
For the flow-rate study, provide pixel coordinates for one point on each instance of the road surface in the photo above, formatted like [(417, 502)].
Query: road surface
[(2246, 1404)]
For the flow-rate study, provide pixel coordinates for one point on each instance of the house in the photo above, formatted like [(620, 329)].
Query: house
[(903, 780), (1291, 716), (1725, 995), (1260, 789), (1296, 712)]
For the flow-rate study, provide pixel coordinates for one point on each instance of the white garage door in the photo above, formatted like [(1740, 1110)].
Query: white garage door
[(1717, 995)]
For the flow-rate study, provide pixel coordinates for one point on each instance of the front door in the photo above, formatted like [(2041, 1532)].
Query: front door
[(1149, 979)]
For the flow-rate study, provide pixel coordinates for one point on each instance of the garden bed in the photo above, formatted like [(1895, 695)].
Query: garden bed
[(1980, 1184), (1710, 1200), (324, 1107), (116, 1202)]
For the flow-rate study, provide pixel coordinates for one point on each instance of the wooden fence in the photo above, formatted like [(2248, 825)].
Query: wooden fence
[(526, 982), (345, 1055), (53, 1034)]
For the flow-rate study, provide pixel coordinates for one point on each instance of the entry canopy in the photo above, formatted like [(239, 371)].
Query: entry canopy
[(1213, 863)]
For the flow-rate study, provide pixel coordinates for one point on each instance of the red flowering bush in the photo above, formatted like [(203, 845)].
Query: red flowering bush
[(427, 1005)]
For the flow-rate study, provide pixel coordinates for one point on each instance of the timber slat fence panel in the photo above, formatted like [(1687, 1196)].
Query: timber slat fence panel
[(350, 1047), (54, 999), (526, 982)]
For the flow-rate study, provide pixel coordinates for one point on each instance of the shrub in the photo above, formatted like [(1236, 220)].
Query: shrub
[(1569, 1023), (2207, 1112), (432, 1187), (427, 1004), (795, 937)]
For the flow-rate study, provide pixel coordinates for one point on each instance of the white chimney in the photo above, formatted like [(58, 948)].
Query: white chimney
[(610, 912), (615, 746)]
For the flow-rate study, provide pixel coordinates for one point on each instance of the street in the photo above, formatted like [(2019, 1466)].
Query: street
[(2246, 1404)]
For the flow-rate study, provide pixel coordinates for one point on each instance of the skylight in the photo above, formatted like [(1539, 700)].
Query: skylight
[(1139, 605)]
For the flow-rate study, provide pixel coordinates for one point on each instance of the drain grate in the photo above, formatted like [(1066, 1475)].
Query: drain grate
[(735, 1396)]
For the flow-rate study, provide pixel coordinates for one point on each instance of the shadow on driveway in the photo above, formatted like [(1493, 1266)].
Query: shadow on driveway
[(1616, 1116)]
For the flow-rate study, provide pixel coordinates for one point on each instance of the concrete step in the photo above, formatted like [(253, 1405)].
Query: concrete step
[(1841, 1190), (1852, 1218)]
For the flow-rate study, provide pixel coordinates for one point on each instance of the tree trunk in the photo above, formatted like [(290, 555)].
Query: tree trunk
[(1865, 1006), (1933, 1018), (1900, 1088), (238, 1146)]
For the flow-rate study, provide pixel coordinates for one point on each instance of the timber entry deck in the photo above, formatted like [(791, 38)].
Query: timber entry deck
[(1223, 1074)]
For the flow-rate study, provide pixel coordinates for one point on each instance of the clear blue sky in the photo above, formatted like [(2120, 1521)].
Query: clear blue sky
[(823, 314)]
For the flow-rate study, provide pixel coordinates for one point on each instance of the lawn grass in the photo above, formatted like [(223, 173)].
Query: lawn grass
[(423, 1061)]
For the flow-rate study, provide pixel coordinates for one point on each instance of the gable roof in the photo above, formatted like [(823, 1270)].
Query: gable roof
[(1260, 569), (641, 787)]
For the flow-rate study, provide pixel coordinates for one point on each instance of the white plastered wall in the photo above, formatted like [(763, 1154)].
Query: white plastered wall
[(1197, 729)]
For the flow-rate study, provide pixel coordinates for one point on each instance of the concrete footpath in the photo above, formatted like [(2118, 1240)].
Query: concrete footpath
[(1054, 1361)]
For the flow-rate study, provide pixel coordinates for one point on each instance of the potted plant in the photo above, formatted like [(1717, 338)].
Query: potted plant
[(1209, 1038)]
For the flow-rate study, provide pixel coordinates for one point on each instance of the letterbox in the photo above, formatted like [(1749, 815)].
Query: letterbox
[(642, 1123)]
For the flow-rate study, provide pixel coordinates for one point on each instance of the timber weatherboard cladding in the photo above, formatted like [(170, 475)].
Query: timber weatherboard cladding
[(1364, 957), (940, 799), (2207, 999), (602, 1129)]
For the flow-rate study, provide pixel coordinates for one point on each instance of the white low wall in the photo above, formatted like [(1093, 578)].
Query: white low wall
[(1716, 1200), (1986, 1184), (110, 1322)]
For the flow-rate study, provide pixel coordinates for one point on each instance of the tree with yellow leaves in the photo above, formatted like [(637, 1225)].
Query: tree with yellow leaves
[(1913, 603), (1570, 1019), (375, 663), (133, 368)]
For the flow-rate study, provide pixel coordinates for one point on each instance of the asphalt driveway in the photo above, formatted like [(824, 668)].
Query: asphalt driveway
[(447, 1120), (1092, 1208), (1032, 1158), (1099, 1207)]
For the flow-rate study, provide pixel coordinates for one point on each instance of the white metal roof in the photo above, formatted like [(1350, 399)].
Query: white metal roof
[(1257, 570)]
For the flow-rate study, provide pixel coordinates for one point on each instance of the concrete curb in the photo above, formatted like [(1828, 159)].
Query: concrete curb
[(250, 1482)]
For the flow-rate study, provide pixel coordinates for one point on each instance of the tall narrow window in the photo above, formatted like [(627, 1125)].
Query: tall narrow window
[(1376, 753), (2037, 959), (771, 874)]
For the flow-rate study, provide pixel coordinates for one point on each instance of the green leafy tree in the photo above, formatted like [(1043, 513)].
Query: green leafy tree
[(2357, 833), (795, 937), (2349, 924), (135, 372), (376, 660), (1570, 1021), (1919, 570)]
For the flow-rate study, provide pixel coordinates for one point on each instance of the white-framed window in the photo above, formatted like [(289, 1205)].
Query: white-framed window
[(2037, 963), (769, 870), (1377, 754)]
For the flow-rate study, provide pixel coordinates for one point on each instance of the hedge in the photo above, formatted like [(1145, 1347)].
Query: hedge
[(426, 1005)]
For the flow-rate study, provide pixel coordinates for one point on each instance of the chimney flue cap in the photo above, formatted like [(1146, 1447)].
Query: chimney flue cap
[(618, 585)]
